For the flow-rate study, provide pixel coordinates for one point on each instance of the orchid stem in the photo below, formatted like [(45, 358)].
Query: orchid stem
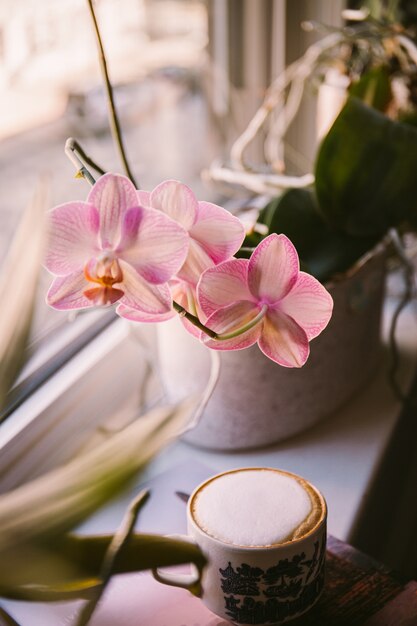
[(113, 116), (71, 149), (194, 320), (245, 328), (211, 333)]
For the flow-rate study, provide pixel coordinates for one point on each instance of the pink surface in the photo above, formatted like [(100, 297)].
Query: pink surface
[(138, 600)]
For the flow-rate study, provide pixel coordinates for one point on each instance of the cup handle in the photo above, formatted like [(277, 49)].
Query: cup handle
[(190, 582)]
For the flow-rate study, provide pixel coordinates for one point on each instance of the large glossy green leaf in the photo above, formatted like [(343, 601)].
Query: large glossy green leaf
[(322, 250), (69, 567), (366, 168), (373, 88)]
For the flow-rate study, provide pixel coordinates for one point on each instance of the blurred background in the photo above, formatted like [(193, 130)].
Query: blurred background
[(188, 75), (51, 88)]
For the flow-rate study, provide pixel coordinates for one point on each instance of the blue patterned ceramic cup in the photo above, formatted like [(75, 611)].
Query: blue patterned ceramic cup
[(264, 533)]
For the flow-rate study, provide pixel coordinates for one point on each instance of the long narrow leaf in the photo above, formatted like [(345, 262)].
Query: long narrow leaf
[(18, 286), (57, 501), (119, 540)]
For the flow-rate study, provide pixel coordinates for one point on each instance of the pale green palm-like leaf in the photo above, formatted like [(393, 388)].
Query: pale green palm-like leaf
[(50, 564), (54, 503), (18, 285)]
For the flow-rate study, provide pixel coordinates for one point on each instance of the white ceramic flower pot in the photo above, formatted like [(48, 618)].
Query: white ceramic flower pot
[(256, 402)]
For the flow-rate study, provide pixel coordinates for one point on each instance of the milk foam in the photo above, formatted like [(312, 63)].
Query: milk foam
[(258, 507)]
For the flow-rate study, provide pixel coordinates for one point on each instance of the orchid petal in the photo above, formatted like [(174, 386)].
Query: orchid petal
[(176, 200), (222, 285), (283, 340), (112, 195), (67, 292), (141, 295), (153, 244), (190, 328), (73, 237), (195, 264), (273, 268), (184, 294), (309, 304), (134, 315), (181, 293), (228, 320), (144, 198), (217, 231)]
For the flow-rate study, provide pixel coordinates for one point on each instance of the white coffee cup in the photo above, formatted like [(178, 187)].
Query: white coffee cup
[(263, 584)]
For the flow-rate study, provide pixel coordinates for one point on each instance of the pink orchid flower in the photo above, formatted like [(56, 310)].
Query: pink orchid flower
[(267, 300), (109, 249), (215, 234)]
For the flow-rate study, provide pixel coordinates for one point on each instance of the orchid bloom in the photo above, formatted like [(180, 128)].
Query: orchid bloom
[(110, 249), (215, 235), (267, 300)]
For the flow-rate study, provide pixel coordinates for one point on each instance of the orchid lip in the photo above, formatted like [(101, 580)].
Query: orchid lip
[(105, 271), (103, 295)]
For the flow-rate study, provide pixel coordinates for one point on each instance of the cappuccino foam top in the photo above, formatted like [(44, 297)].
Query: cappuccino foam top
[(255, 508)]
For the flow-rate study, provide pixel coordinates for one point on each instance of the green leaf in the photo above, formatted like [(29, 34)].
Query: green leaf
[(408, 117), (18, 287), (69, 567), (57, 501), (250, 242), (366, 178), (323, 251), (373, 88), (294, 213)]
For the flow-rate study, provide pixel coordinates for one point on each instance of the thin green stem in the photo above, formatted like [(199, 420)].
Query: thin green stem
[(194, 320), (245, 328), (113, 116)]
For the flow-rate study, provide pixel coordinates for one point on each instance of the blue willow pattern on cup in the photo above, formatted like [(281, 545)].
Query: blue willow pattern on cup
[(257, 596)]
